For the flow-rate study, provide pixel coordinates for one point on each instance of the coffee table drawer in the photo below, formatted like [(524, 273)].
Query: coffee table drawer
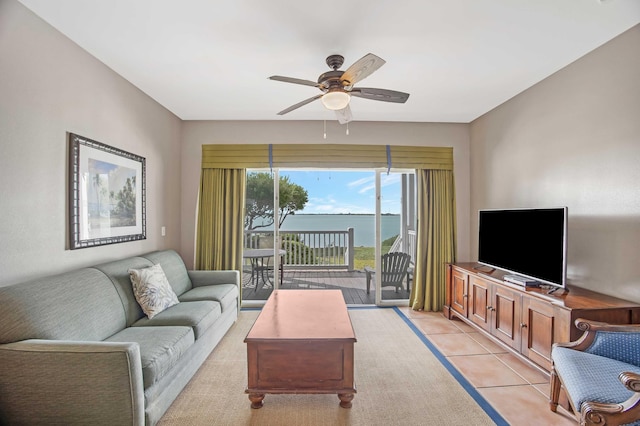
[(301, 365)]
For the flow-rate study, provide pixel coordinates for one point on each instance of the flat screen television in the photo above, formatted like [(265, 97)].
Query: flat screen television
[(530, 243)]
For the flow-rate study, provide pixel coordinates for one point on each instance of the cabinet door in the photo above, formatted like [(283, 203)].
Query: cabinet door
[(459, 288), (479, 307), (506, 307), (538, 325)]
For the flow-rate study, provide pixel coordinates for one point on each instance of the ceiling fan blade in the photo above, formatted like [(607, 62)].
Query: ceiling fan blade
[(294, 80), (299, 104), (344, 115), (362, 68), (380, 94)]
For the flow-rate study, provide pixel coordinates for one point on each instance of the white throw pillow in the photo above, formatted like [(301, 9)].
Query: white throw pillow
[(152, 290)]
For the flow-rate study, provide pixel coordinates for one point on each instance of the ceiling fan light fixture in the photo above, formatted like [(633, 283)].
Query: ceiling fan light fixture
[(336, 100)]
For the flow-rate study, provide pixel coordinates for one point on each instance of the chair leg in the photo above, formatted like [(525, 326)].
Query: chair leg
[(555, 390)]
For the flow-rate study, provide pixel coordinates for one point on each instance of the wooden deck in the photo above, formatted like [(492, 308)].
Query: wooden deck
[(353, 285)]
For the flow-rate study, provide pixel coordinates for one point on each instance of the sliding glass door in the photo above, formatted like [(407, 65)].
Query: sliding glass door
[(395, 236), (329, 227)]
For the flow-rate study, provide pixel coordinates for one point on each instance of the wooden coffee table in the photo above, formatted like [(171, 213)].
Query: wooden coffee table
[(301, 343)]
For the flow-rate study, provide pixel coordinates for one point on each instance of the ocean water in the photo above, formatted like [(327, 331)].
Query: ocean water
[(363, 225)]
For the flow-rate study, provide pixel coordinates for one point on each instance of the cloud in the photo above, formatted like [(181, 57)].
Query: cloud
[(391, 179), (366, 184), (369, 184), (331, 205), (361, 181)]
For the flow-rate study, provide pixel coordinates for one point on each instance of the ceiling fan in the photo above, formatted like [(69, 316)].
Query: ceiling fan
[(337, 86)]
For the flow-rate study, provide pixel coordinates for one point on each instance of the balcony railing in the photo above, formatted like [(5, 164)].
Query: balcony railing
[(309, 249), (408, 247)]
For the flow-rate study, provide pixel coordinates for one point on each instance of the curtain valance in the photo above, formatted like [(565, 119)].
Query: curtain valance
[(326, 156), (234, 156)]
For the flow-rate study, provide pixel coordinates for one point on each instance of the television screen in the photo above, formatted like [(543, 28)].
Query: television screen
[(527, 242)]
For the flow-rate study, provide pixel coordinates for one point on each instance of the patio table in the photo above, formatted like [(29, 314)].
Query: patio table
[(260, 260)]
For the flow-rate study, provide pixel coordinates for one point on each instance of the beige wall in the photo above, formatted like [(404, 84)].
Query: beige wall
[(48, 87), (198, 133), (574, 140)]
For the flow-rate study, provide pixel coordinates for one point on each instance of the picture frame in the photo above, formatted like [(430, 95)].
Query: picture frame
[(107, 194)]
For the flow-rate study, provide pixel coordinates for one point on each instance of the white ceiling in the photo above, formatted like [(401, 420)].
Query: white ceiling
[(210, 59)]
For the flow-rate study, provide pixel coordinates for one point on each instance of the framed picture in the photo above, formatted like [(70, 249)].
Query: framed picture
[(106, 194)]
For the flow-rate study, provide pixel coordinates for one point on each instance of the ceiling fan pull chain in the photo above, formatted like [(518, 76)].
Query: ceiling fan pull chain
[(347, 128), (325, 129)]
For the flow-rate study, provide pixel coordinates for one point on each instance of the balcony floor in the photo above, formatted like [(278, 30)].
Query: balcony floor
[(353, 285)]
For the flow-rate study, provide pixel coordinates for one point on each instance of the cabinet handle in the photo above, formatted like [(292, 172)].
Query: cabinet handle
[(465, 295), (490, 308), (523, 325)]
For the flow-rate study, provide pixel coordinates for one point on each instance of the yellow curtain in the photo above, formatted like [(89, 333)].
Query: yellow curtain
[(436, 238), (220, 225)]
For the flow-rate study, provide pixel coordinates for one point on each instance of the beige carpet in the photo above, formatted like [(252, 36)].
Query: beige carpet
[(399, 381)]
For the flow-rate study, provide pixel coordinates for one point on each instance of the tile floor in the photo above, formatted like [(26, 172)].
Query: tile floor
[(518, 391)]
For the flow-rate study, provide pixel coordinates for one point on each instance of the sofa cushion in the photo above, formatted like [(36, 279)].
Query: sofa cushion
[(152, 290), (160, 348), (589, 377), (197, 315), (173, 267), (118, 273), (77, 305), (225, 294)]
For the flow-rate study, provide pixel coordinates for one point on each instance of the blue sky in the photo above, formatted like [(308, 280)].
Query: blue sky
[(332, 192)]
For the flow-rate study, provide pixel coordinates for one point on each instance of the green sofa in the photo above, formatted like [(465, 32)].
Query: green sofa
[(76, 348)]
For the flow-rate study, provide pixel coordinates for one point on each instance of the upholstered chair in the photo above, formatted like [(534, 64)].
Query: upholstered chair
[(600, 373)]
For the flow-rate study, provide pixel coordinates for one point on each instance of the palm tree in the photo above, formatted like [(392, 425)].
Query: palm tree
[(97, 183)]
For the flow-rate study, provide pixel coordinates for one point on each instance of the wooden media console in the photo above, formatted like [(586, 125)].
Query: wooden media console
[(527, 319)]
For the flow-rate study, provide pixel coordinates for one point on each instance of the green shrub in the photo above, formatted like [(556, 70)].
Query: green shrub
[(297, 249)]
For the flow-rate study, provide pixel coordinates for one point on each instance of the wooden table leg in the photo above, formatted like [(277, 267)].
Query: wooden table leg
[(281, 269), (345, 399), (256, 400)]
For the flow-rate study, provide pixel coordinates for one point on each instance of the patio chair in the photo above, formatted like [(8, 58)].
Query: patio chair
[(394, 270)]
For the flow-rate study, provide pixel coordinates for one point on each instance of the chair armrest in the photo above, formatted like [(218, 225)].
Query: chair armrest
[(44, 381), (622, 413), (589, 325), (591, 329), (202, 278), (630, 380)]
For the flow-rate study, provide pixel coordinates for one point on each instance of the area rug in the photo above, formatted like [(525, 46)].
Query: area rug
[(398, 378)]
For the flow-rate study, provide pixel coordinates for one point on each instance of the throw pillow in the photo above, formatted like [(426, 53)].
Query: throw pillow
[(152, 290)]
